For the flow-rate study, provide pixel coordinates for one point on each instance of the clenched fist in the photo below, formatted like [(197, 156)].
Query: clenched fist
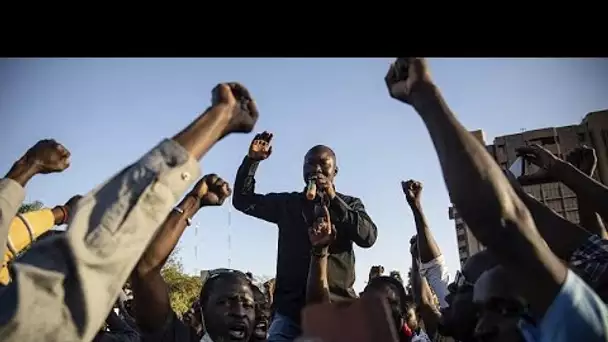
[(405, 76), (211, 190), (412, 190), (240, 106), (48, 156), (260, 148)]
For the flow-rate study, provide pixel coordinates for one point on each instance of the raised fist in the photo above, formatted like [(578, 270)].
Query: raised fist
[(322, 233), (405, 75), (260, 148), (240, 105), (584, 159), (48, 156), (412, 190), (375, 271), (211, 190)]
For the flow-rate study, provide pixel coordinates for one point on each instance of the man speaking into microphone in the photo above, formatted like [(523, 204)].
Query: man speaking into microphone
[(294, 213)]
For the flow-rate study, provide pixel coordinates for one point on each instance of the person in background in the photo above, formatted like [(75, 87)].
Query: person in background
[(375, 271), (116, 330), (153, 314), (432, 263), (123, 214), (294, 214), (27, 227), (269, 290), (569, 308), (262, 316), (500, 308)]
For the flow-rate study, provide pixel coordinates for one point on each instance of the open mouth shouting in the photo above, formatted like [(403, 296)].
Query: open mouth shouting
[(261, 329), (238, 332)]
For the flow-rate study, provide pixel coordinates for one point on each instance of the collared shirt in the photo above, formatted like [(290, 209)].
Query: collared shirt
[(576, 314), (64, 286), (293, 214), (590, 262)]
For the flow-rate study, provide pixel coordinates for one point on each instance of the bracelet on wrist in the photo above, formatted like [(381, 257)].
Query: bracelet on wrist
[(320, 252), (181, 211)]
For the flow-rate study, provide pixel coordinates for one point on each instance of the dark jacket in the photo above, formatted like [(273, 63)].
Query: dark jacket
[(293, 214)]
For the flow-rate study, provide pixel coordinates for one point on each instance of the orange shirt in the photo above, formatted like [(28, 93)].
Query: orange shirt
[(24, 229)]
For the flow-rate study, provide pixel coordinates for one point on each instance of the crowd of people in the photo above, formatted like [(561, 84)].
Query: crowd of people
[(541, 278)]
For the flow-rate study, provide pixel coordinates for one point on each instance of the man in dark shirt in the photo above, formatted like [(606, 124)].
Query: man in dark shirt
[(294, 214)]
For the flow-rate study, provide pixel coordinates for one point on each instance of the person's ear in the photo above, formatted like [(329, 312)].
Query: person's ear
[(336, 171)]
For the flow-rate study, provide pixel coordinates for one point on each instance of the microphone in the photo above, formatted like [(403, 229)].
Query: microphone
[(311, 189)]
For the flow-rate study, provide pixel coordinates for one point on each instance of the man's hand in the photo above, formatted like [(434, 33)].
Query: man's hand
[(48, 156), (414, 247), (240, 106), (412, 190), (322, 233), (540, 157), (260, 148), (325, 185), (211, 190), (405, 76), (375, 271), (584, 159), (63, 212)]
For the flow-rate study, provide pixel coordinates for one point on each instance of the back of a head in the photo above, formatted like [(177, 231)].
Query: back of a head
[(382, 281), (479, 263)]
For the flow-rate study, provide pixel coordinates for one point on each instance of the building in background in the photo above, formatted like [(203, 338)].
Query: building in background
[(593, 132)]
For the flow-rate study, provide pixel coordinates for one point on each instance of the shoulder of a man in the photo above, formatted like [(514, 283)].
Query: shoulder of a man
[(577, 313), (174, 330), (348, 199)]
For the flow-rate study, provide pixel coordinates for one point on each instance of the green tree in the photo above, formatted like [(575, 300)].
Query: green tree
[(184, 289), (33, 206)]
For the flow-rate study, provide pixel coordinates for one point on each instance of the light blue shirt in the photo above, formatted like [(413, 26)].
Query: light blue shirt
[(576, 314)]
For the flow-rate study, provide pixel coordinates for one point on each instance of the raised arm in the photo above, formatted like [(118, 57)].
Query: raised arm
[(111, 228), (433, 266), (321, 235), (584, 159), (479, 190), (266, 207), (591, 193), (150, 292), (46, 156)]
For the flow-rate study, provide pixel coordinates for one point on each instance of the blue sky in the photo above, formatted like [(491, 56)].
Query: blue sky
[(108, 112)]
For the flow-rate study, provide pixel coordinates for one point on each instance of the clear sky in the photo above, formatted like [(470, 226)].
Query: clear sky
[(108, 112)]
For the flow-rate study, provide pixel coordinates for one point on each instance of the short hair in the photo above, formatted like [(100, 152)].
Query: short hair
[(211, 282), (322, 148), (380, 281)]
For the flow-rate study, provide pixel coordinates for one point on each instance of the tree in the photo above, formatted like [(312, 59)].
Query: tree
[(184, 289), (33, 206)]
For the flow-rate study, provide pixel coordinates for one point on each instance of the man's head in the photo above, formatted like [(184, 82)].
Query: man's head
[(459, 319), (228, 307), (393, 292), (269, 289), (262, 315), (500, 307), (320, 160)]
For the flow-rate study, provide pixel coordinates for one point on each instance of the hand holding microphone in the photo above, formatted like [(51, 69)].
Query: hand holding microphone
[(311, 188), (319, 184)]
